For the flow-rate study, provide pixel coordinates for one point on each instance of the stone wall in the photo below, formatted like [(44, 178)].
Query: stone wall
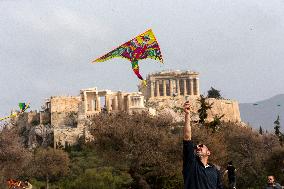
[(63, 109), (64, 118), (228, 108), (45, 117)]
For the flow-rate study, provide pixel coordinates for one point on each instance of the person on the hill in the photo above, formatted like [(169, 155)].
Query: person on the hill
[(231, 170), (271, 183), (197, 172)]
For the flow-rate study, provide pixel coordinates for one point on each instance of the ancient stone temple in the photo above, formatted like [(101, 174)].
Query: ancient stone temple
[(170, 89), (167, 84), (96, 101), (68, 113)]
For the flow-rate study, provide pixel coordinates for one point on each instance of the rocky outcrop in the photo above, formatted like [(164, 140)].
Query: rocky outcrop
[(40, 135), (173, 108)]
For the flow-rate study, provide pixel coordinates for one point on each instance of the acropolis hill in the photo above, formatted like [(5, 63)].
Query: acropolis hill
[(65, 116)]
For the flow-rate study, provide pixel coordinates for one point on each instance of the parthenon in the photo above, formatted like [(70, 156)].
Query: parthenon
[(167, 84)]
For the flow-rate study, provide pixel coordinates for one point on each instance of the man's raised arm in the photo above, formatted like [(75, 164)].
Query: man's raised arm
[(187, 126)]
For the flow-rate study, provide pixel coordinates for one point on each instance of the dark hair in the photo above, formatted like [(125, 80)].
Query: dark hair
[(230, 162)]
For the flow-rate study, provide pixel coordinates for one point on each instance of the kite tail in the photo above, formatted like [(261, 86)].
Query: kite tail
[(10, 116), (144, 83), (135, 68)]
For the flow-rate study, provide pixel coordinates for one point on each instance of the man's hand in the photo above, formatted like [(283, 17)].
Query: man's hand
[(187, 127), (187, 107)]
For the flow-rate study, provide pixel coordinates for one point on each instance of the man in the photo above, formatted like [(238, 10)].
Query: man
[(271, 183), (231, 170), (197, 172)]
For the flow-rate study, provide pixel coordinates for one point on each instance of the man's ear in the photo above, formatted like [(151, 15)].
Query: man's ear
[(208, 153)]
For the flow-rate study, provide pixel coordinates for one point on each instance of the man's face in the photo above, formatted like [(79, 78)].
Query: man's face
[(270, 180), (201, 150)]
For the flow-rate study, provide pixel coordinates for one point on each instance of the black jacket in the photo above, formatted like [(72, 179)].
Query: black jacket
[(195, 175)]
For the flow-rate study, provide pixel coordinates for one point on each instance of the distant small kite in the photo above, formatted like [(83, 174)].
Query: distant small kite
[(23, 107), (141, 47)]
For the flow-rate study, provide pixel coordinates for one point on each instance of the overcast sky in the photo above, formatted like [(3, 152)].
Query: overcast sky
[(46, 47)]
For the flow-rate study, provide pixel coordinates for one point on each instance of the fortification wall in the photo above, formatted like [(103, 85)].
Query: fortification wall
[(228, 108), (64, 111), (64, 119), (64, 104)]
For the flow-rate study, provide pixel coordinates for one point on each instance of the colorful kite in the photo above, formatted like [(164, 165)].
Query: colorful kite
[(23, 107), (141, 47)]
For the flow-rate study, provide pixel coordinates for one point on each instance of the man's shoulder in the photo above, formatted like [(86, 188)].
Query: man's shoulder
[(278, 185), (188, 143), (217, 167)]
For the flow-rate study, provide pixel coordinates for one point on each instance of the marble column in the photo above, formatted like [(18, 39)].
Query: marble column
[(171, 87), (86, 102), (107, 103), (128, 103), (120, 101), (157, 89), (177, 87), (191, 86), (197, 86), (141, 101), (164, 88), (152, 94), (184, 87), (98, 104)]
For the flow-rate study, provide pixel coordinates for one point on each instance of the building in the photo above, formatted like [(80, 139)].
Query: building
[(170, 89), (68, 113), (168, 84)]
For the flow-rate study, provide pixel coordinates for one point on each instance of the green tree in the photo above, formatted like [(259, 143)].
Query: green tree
[(214, 93), (202, 111), (49, 164), (277, 126), (260, 130), (277, 130), (100, 178), (215, 123)]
